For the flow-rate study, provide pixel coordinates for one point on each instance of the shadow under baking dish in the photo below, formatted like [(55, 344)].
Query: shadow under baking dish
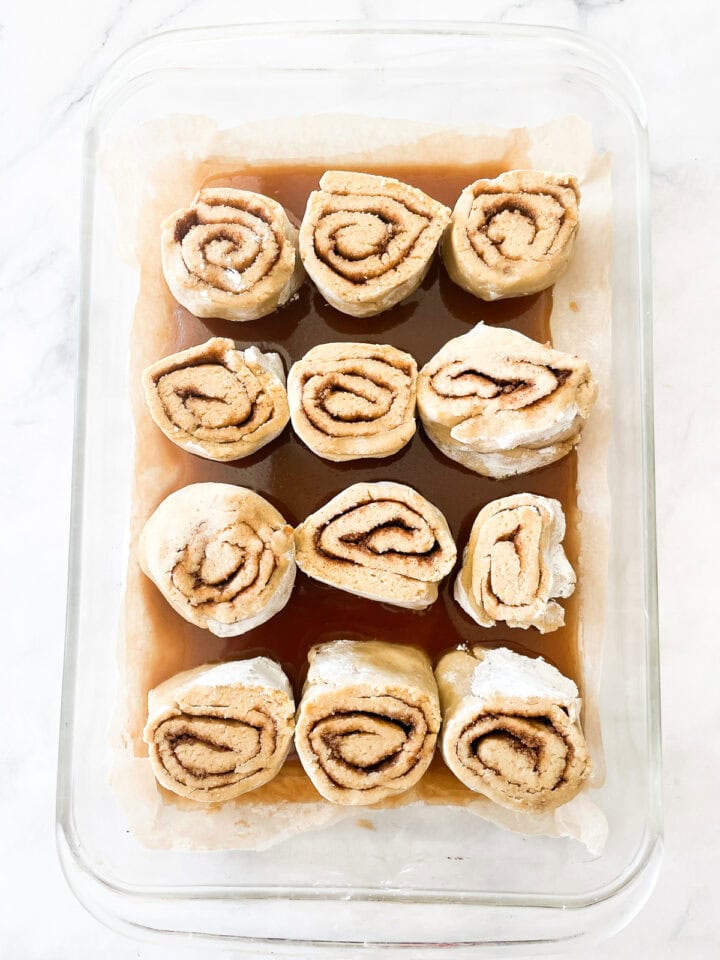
[(437, 879)]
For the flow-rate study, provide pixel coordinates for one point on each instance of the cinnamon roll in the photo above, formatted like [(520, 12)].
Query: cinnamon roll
[(221, 555), (512, 236), (353, 400), (216, 401), (367, 241), (219, 731), (502, 404), (511, 728), (382, 541), (514, 565), (368, 720), (231, 254)]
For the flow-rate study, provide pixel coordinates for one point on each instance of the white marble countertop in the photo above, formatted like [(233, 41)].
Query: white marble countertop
[(51, 55)]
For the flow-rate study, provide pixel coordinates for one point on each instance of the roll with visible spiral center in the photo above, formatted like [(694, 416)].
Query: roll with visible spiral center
[(232, 254), (221, 555), (514, 566), (368, 720), (383, 541), (219, 731), (502, 404), (367, 241), (511, 728), (216, 401), (353, 400), (514, 235)]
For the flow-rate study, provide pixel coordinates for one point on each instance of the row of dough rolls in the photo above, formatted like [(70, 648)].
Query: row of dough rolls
[(225, 559), (368, 722), (494, 400), (367, 242)]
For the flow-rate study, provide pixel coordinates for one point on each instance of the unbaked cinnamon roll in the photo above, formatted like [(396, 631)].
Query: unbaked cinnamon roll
[(221, 555), (502, 404), (367, 241), (514, 565), (382, 541), (368, 720), (512, 236), (353, 400), (511, 728), (216, 401), (232, 254), (221, 730)]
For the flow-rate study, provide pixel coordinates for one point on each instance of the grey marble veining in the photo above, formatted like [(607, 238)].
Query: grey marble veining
[(51, 56)]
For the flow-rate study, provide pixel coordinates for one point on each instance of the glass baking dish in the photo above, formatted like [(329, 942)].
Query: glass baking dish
[(462, 886)]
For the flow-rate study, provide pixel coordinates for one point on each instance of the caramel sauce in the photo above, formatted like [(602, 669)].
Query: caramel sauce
[(297, 482)]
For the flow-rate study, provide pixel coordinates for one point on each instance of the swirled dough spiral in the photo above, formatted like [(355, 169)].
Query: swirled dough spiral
[(221, 555), (383, 541), (216, 401), (514, 565), (368, 720), (502, 404), (511, 728), (353, 400), (232, 254), (221, 730), (514, 235), (367, 241)]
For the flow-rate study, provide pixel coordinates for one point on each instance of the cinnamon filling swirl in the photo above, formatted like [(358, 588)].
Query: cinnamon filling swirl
[(217, 732), (368, 720), (216, 401), (221, 555), (382, 541), (511, 728), (502, 404), (514, 235), (232, 254), (367, 241), (514, 565), (353, 400)]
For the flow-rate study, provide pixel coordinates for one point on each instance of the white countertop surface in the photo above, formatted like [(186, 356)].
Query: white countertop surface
[(51, 55)]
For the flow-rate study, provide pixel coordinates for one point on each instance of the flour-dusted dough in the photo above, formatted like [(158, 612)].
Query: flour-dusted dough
[(502, 404), (511, 728), (368, 720), (221, 730), (514, 566)]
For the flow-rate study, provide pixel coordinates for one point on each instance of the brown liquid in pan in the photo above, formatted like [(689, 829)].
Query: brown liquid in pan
[(297, 482)]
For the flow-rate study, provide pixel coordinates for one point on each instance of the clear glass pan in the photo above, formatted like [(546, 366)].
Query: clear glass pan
[(458, 891)]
